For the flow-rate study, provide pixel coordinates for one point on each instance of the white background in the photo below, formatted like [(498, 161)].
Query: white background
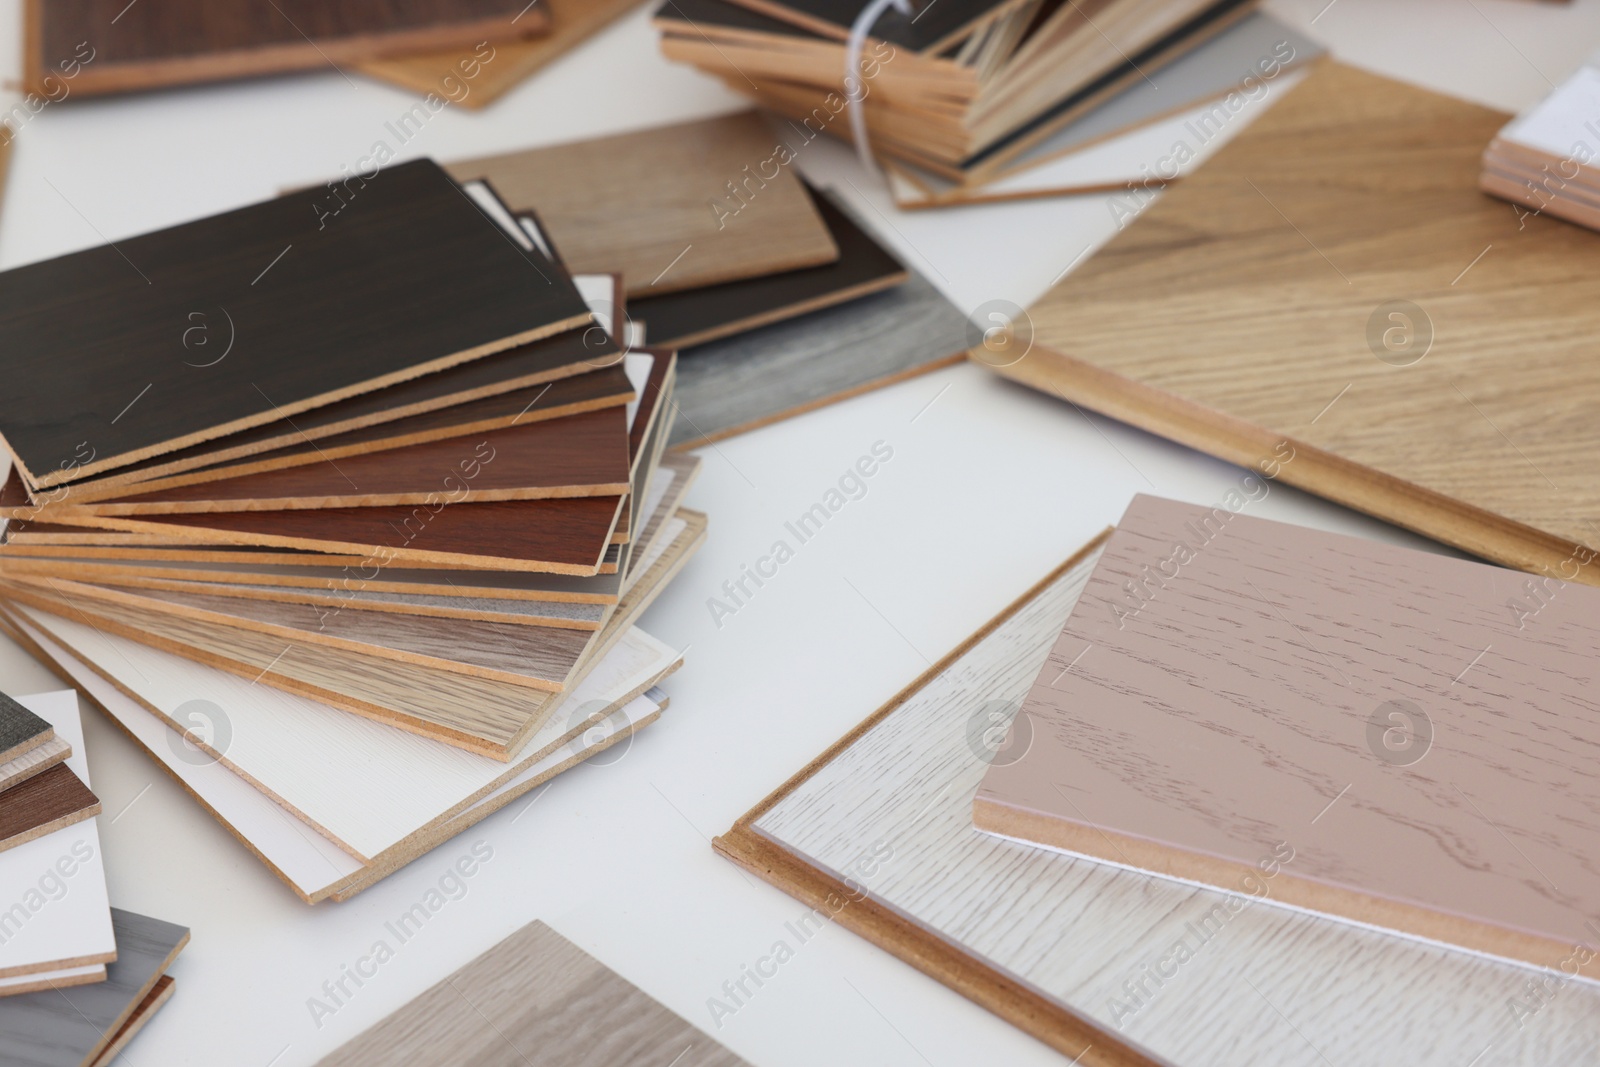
[(989, 486)]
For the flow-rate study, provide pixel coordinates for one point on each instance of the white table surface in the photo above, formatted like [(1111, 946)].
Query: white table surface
[(988, 487)]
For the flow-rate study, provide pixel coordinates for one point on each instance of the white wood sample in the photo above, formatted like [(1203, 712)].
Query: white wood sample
[(1265, 987), (49, 918)]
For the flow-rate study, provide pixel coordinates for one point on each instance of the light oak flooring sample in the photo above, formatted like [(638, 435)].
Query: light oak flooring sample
[(35, 761), (571, 22), (1196, 976), (20, 729), (646, 204), (1412, 728), (43, 804), (775, 372), (1334, 278), (153, 1002), (73, 1027), (533, 1000)]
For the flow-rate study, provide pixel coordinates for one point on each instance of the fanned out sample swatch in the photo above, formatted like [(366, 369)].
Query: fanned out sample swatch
[(75, 1027), (57, 932), (301, 301), (670, 208), (487, 78), (1343, 234), (105, 46), (533, 1000), (1100, 962), (694, 317), (1412, 728)]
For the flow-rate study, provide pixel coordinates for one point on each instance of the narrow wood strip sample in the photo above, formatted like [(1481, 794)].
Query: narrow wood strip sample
[(696, 316), (778, 371), (43, 804), (1267, 668), (538, 363), (533, 1000), (1403, 404), (35, 761), (103, 47), (153, 1002), (580, 455), (574, 395), (571, 22), (883, 822), (73, 1027), (440, 286), (20, 730), (641, 204)]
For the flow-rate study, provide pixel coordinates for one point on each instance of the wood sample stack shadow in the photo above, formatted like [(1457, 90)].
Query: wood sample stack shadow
[(408, 496), (533, 1000)]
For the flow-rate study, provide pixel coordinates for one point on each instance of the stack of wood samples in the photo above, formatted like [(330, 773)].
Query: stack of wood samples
[(778, 298), (569, 23), (1107, 964), (90, 1026), (59, 933), (1343, 235), (101, 46), (958, 89), (423, 535), (533, 1000), (1546, 159)]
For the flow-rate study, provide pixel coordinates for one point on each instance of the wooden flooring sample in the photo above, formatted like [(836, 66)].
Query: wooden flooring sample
[(73, 1027), (692, 317), (1333, 281), (1231, 677), (879, 831), (20, 730), (645, 204), (439, 285), (33, 762), (778, 371), (580, 455), (533, 1000), (104, 46), (153, 1002), (43, 804), (571, 22)]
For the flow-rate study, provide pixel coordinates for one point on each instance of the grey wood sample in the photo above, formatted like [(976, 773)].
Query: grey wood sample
[(742, 382), (71, 1027), (288, 304), (533, 1000), (20, 729)]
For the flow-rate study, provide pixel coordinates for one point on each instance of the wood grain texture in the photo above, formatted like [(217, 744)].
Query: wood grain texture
[(932, 33), (571, 22), (590, 391), (779, 371), (20, 730), (43, 804), (35, 761), (73, 1027), (696, 316), (439, 285), (1259, 670), (645, 204), (1047, 940), (1261, 335), (106, 47), (535, 999), (580, 455), (153, 1002)]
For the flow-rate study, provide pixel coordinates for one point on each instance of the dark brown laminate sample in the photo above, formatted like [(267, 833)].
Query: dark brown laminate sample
[(255, 315), (43, 804), (695, 316), (105, 46)]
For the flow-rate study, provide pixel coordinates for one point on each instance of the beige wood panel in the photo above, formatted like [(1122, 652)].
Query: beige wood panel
[(533, 1000), (1249, 311), (660, 207)]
